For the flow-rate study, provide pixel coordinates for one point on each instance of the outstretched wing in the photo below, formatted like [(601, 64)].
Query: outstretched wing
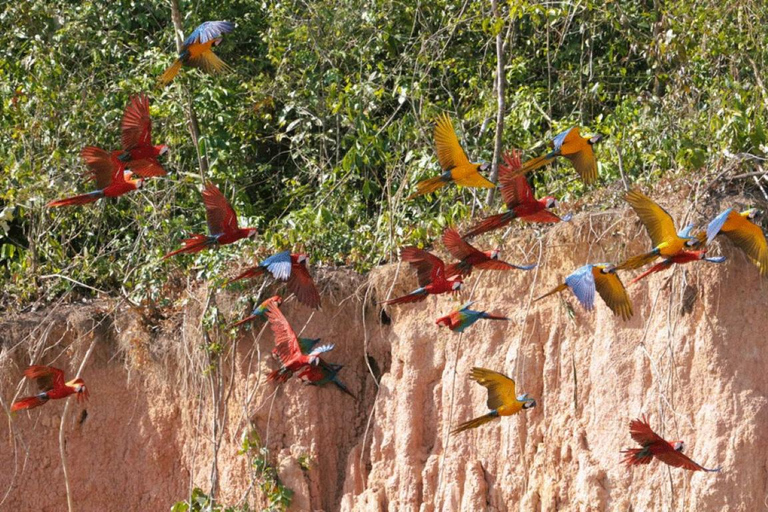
[(46, 377), (427, 265), (642, 434), (137, 125), (279, 265), (102, 169), (612, 290), (286, 342), (515, 189), (582, 284), (458, 248), (678, 459), (585, 163), (501, 389), (748, 237), (449, 151), (656, 220), (301, 284), (220, 215), (209, 30)]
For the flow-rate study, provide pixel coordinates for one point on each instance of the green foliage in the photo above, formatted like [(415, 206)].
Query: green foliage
[(201, 502), (324, 126)]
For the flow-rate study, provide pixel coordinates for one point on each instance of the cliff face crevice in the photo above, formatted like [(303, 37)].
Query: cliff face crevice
[(693, 358)]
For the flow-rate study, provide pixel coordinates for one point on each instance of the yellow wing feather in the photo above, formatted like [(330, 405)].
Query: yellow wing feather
[(585, 164), (501, 389), (449, 151), (612, 290), (749, 238), (657, 222)]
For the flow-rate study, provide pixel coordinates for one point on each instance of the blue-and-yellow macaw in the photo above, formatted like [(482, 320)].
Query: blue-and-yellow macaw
[(463, 317), (502, 399), (599, 277), (744, 234), (454, 161), (196, 51), (571, 145)]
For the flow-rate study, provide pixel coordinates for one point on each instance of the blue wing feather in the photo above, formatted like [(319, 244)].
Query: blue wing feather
[(279, 265), (557, 142), (716, 225), (209, 30), (582, 284)]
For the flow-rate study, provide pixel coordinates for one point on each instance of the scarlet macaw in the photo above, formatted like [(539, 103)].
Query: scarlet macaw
[(260, 310), (502, 399), (139, 154), (666, 241), (291, 268), (322, 374), (654, 445), (196, 51), (571, 145), (744, 234), (288, 348), (51, 383), (680, 258), (454, 161), (431, 276), (222, 224), (463, 317), (601, 277), (519, 198), (471, 257), (109, 174)]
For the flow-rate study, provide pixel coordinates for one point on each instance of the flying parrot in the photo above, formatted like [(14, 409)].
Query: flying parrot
[(666, 241), (519, 198), (292, 268), (51, 383), (454, 161), (288, 348), (470, 257), (196, 51), (571, 145), (139, 154), (109, 174), (260, 310), (222, 224), (680, 258), (462, 317), (745, 234), (654, 446), (322, 374), (601, 277), (430, 274), (502, 399)]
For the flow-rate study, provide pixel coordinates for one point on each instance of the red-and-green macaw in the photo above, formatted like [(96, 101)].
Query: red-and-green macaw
[(109, 173), (519, 198), (601, 278), (502, 399), (222, 225), (571, 145), (654, 445), (661, 229), (322, 374), (462, 317), (288, 349), (196, 51), (470, 257), (431, 276), (260, 310), (52, 386), (292, 268), (680, 258), (138, 153), (454, 161), (745, 234)]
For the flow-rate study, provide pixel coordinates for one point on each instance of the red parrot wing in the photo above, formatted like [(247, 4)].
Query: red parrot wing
[(641, 432), (680, 460), (285, 338), (147, 168), (101, 167), (515, 189), (137, 125), (301, 284), (458, 248), (220, 215), (428, 266), (46, 377), (543, 216)]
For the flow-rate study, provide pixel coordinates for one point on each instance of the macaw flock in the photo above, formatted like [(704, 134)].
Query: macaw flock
[(122, 171)]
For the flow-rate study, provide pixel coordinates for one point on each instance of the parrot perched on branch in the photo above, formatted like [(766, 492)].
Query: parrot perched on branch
[(502, 399), (454, 161), (196, 51), (745, 234), (431, 276), (52, 386), (292, 268), (260, 310), (571, 145), (654, 445), (138, 153), (109, 173), (463, 317), (222, 225), (602, 277), (518, 196), (470, 257)]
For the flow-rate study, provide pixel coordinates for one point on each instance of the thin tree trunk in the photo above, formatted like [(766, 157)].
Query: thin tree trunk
[(501, 85), (192, 124)]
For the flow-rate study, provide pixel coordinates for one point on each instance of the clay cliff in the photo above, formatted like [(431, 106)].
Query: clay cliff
[(167, 414)]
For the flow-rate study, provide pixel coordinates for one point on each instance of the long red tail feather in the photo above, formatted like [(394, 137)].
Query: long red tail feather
[(634, 457), (490, 223), (249, 273), (191, 245), (406, 299), (29, 402), (70, 201)]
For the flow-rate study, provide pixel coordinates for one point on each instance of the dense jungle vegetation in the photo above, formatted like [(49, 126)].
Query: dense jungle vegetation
[(324, 125)]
